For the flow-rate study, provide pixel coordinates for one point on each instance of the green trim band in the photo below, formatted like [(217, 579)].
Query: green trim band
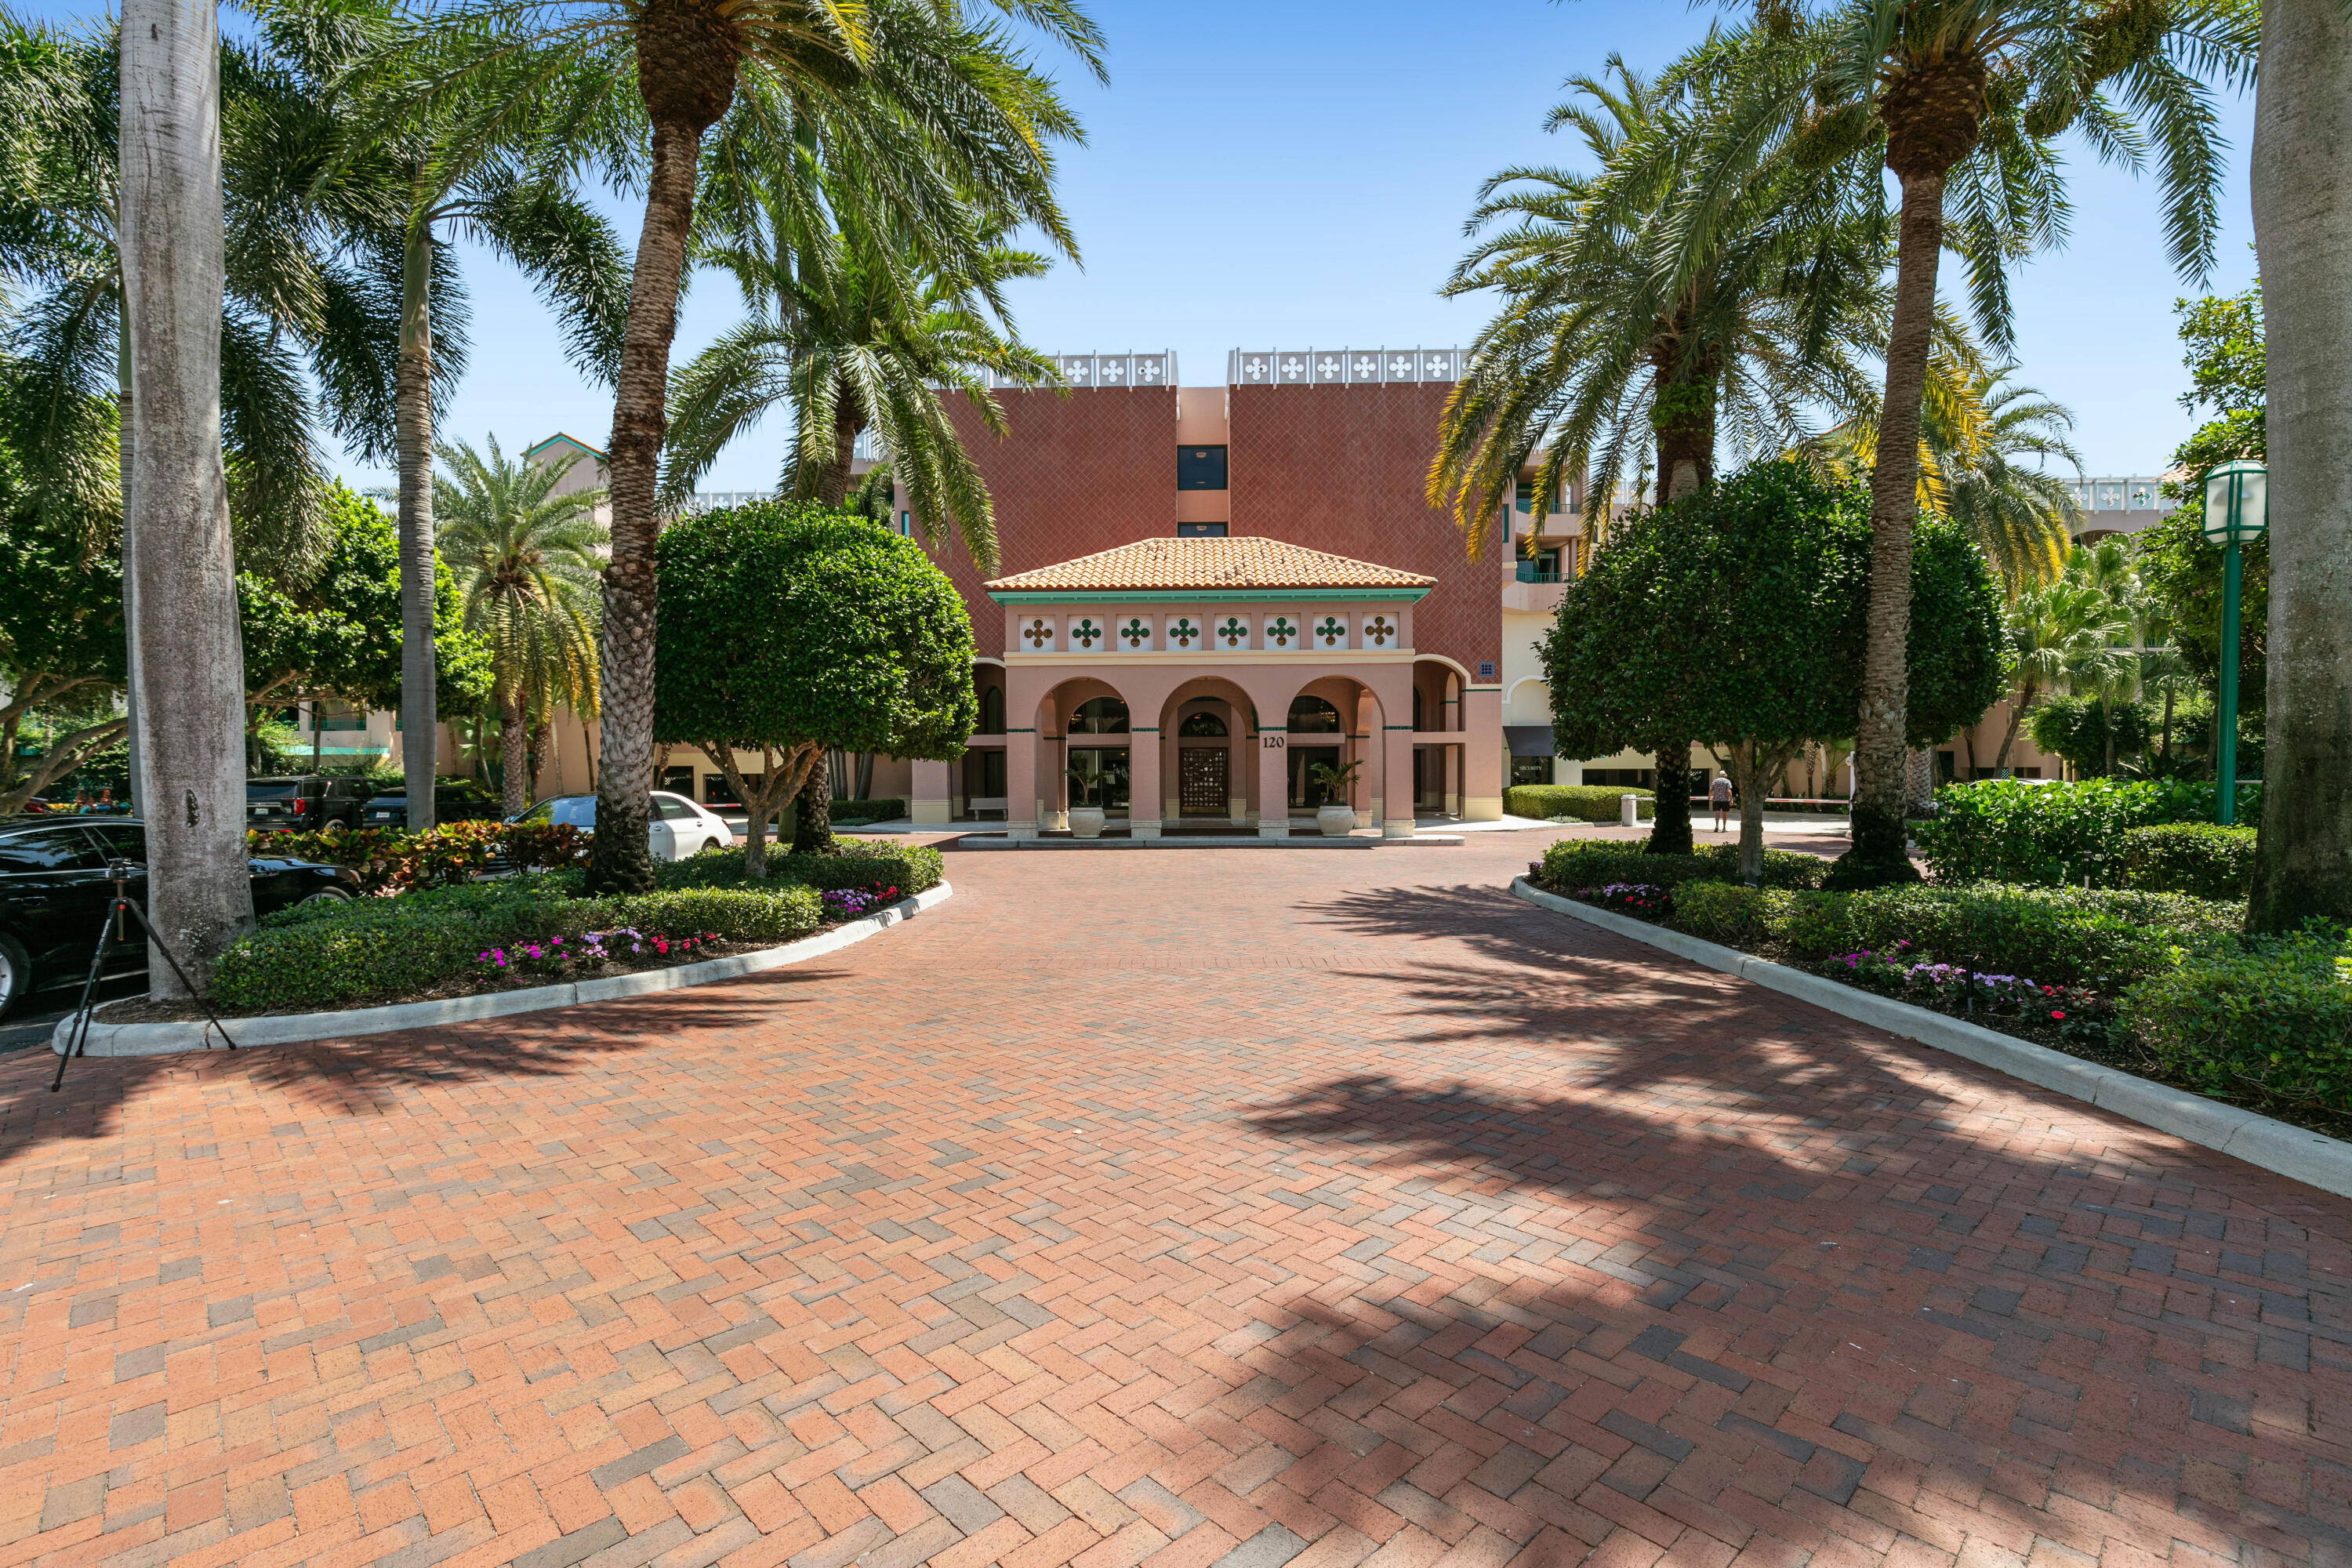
[(1025, 730), (1404, 727), (1216, 597)]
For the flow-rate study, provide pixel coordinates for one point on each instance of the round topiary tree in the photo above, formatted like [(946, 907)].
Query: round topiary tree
[(788, 630), (1737, 615)]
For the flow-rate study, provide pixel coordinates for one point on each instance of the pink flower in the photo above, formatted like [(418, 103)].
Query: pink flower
[(2057, 1014)]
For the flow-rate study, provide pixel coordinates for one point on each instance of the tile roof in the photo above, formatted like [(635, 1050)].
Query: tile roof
[(1208, 564)]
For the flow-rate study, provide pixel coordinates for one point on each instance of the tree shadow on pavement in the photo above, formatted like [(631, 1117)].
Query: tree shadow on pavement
[(369, 1075)]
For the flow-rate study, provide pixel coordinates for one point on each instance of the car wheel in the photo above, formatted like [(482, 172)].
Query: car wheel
[(325, 896), (15, 974)]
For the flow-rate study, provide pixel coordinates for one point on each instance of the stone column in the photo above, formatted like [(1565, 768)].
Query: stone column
[(1143, 784), (931, 801), (1022, 784), (1482, 755), (1396, 804), (1272, 785)]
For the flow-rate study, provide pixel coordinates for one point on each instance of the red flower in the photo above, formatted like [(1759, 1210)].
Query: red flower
[(2057, 1014)]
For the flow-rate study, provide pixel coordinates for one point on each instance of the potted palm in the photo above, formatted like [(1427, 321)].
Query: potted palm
[(1335, 818), (1087, 819)]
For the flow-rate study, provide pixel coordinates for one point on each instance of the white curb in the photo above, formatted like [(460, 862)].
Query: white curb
[(288, 1029), (2272, 1146)]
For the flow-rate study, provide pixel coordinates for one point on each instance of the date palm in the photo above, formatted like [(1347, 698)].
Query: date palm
[(527, 564), (1630, 324), (1962, 99), (854, 335), (934, 115)]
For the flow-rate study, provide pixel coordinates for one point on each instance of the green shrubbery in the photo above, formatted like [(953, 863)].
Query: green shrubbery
[(858, 863), (319, 955), (1574, 863), (2200, 857), (440, 856), (2018, 830), (2267, 1016), (1586, 803), (847, 812)]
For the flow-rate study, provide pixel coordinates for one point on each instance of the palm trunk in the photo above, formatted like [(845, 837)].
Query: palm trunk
[(413, 439), (812, 819), (2302, 177), (2016, 712), (125, 419), (1685, 463), (2108, 733), (187, 664), (1880, 762), (514, 759), (2166, 750), (619, 860), (834, 485)]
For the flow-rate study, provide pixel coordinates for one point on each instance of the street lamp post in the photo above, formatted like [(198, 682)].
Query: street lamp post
[(2237, 509)]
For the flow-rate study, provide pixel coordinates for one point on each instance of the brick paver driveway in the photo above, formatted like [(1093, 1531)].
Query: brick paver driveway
[(1232, 1206)]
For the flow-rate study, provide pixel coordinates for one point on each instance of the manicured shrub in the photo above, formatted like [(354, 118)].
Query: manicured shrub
[(443, 856), (2058, 936), (2199, 858), (369, 950), (859, 863), (2270, 1016), (1721, 911), (1590, 862), (2018, 830), (1586, 803), (883, 810)]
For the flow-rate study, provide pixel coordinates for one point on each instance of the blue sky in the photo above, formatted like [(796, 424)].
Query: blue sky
[(1285, 175)]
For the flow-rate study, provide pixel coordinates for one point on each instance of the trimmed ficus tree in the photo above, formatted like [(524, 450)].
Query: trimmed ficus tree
[(1739, 615), (788, 629)]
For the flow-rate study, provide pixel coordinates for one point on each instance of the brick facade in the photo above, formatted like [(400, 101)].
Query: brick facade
[(1088, 471), (1342, 469)]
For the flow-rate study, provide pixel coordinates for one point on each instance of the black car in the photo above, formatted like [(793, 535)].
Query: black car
[(305, 801), (463, 801), (54, 892)]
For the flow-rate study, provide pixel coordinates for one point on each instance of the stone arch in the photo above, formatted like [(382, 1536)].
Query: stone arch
[(1235, 709), (1360, 739), (1524, 710)]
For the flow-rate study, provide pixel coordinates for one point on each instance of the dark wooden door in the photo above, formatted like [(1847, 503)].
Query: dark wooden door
[(1201, 781)]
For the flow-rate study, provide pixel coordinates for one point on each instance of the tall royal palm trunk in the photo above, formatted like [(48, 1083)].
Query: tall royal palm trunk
[(687, 54), (187, 665), (413, 437), (1684, 421), (1931, 116), (2302, 180)]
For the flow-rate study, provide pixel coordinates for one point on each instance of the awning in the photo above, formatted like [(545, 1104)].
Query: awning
[(1529, 740)]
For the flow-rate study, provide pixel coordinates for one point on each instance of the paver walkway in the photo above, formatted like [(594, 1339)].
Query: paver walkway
[(1175, 1208)]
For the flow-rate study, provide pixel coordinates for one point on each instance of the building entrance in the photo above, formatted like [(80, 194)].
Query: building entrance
[(1306, 794), (1201, 781)]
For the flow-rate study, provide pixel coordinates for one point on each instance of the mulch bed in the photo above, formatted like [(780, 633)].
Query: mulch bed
[(2112, 1052)]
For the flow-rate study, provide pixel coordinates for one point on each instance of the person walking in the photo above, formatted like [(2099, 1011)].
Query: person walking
[(1718, 796)]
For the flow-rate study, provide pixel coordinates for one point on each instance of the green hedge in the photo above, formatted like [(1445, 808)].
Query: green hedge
[(335, 955), (2018, 830), (2271, 1017), (1587, 803), (2056, 936), (859, 863), (2200, 857), (1596, 862), (883, 810)]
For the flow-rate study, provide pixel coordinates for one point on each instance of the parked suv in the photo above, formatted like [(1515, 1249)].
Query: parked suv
[(55, 892), (305, 801), (455, 799)]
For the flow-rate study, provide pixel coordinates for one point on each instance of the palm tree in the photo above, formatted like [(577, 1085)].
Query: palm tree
[(856, 335), (936, 116), (527, 564), (2063, 637), (1978, 430), (1628, 324), (1962, 99), (2304, 229)]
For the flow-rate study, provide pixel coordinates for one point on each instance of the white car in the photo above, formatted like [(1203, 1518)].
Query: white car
[(674, 828)]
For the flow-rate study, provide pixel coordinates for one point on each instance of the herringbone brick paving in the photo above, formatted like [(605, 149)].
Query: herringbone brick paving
[(1182, 1208)]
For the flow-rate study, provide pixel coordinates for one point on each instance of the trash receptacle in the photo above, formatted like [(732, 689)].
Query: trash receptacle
[(1629, 810)]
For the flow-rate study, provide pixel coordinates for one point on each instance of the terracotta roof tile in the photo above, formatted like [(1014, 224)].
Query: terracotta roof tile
[(1208, 564)]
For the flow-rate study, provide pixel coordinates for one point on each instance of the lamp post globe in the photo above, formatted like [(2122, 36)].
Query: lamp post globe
[(2237, 510)]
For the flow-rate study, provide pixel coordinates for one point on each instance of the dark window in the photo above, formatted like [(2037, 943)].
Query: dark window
[(1201, 724), (991, 711), (272, 791), (984, 773), (716, 791), (1416, 709), (1313, 715), (1200, 467), (1199, 531), (1531, 770), (672, 809), (122, 840), (680, 781), (50, 849), (1099, 716), (1947, 767)]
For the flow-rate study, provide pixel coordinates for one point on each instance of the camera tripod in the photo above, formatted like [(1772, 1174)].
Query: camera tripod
[(111, 935)]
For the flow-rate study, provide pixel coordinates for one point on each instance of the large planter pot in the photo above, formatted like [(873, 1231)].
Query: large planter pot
[(1336, 821), (1085, 821)]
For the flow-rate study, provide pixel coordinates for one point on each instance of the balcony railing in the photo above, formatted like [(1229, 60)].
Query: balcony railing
[(1106, 371), (2121, 493), (1341, 367)]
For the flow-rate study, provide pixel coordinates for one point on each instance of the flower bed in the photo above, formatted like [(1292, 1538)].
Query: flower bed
[(2159, 984), (392, 859)]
